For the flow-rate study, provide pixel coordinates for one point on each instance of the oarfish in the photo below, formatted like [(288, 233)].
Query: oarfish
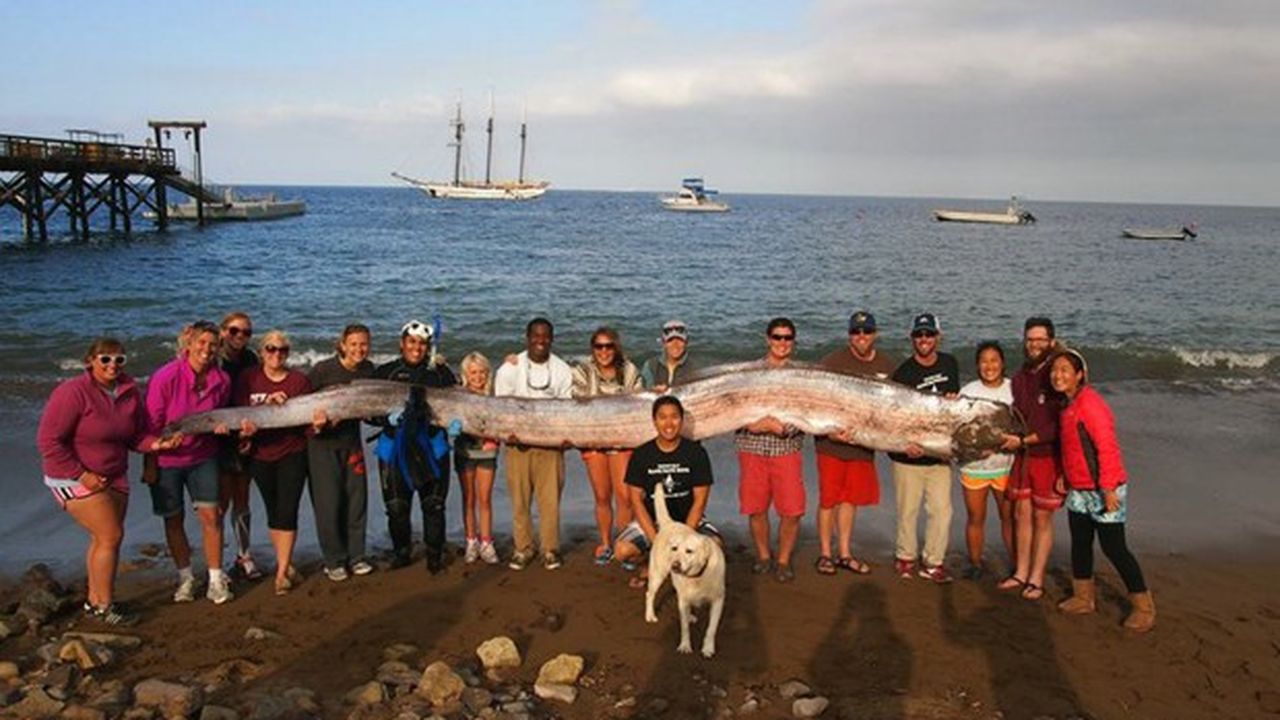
[(876, 414)]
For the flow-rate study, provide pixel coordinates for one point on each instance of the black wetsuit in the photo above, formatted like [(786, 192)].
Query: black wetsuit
[(432, 488)]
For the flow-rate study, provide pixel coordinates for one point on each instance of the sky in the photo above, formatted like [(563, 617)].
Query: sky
[(1175, 101)]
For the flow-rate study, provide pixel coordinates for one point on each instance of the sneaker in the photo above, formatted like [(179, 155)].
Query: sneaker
[(219, 590), (936, 573), (551, 560), (246, 568), (186, 591), (283, 586), (336, 574), (488, 553), (435, 563), (520, 560), (473, 551), (111, 615), (905, 568), (361, 567)]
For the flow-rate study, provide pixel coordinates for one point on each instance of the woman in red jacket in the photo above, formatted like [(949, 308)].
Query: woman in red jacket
[(88, 427), (1097, 492)]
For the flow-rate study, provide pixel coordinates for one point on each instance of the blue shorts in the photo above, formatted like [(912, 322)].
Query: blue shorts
[(634, 534), (200, 481)]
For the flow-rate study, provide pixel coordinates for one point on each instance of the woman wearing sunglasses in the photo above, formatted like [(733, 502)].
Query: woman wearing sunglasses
[(89, 425), (277, 457), (607, 372), (235, 357)]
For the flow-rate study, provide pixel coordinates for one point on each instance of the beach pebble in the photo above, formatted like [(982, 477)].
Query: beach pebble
[(748, 707), (116, 642), (88, 655), (809, 707), (257, 633), (60, 681), (229, 672), (81, 712), (563, 669), (793, 689), (657, 706), (476, 699), (440, 684), (498, 652), (556, 691), (6, 628), (110, 695), (304, 699), (171, 699), (399, 651), (395, 672), (36, 704), (516, 707), (218, 712), (719, 692), (139, 713), (370, 693), (624, 703), (9, 670)]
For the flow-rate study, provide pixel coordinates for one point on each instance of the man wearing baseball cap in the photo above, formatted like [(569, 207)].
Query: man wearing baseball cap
[(847, 471), (417, 366), (920, 480), (659, 372)]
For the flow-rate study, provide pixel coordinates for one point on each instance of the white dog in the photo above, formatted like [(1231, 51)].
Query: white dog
[(695, 563)]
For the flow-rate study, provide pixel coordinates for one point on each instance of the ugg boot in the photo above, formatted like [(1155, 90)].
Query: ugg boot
[(1083, 598), (1143, 616)]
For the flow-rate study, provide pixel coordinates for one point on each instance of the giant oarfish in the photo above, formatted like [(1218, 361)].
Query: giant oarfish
[(876, 414)]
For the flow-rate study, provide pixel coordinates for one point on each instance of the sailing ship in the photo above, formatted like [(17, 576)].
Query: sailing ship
[(460, 189), (1013, 215)]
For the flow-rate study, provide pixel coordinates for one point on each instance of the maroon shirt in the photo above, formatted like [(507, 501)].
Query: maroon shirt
[(252, 388), (1040, 406)]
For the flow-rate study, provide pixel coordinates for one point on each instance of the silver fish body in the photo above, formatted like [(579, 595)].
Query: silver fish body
[(879, 415)]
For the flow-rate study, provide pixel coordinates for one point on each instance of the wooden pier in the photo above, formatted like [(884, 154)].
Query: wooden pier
[(41, 176)]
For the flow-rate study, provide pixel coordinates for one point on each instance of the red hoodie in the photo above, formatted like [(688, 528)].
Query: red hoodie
[(1087, 435), (85, 428)]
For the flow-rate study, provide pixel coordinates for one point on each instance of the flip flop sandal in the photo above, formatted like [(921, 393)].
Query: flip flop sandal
[(853, 565), (762, 567), (1013, 582), (1032, 592), (785, 573), (605, 557), (825, 565), (638, 583), (629, 565)]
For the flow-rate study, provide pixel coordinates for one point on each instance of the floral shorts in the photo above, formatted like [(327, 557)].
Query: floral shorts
[(1090, 502)]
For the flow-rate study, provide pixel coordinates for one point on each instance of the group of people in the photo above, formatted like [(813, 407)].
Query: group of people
[(1069, 455)]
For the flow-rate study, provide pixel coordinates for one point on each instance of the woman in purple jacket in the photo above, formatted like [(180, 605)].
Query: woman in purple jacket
[(89, 425)]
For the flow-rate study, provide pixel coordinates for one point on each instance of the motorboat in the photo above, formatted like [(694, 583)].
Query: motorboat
[(1186, 232), (238, 207), (1013, 215), (694, 196)]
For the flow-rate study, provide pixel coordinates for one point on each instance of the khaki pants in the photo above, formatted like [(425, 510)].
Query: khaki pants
[(930, 485), (535, 475)]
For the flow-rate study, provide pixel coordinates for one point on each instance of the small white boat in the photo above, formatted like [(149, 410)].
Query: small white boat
[(1186, 232), (693, 197), (237, 207), (1013, 215)]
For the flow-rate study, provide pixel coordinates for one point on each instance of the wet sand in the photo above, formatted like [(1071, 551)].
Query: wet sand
[(876, 646)]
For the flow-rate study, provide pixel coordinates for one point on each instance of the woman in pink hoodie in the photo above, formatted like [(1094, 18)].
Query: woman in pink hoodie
[(89, 425)]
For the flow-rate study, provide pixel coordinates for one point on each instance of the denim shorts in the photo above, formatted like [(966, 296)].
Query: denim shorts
[(200, 481)]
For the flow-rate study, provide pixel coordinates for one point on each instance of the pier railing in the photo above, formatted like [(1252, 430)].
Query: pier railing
[(18, 152)]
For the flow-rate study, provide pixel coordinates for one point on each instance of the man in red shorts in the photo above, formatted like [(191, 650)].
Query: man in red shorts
[(847, 473), (771, 470), (1035, 480)]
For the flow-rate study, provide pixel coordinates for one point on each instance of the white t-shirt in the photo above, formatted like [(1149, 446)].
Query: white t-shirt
[(527, 379), (992, 466)]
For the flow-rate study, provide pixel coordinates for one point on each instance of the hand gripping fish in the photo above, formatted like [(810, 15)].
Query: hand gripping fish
[(876, 414)]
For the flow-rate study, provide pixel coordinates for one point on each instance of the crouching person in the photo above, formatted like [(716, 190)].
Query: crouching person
[(683, 468)]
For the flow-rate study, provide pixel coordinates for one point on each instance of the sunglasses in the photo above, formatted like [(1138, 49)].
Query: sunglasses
[(603, 346), (237, 331), (282, 349), (117, 360), (862, 331), (924, 333), (783, 338)]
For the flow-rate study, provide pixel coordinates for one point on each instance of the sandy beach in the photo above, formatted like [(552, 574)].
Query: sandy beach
[(874, 646)]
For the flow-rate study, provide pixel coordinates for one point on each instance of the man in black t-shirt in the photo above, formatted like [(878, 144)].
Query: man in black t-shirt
[(415, 366), (683, 468), (920, 480)]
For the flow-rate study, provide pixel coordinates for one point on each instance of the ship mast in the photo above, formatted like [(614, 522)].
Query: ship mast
[(457, 145), (524, 116), (488, 153)]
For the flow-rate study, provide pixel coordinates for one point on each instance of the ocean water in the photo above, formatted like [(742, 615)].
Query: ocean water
[(1177, 332)]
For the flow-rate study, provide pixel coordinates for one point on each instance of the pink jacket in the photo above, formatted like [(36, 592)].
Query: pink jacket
[(85, 428), (171, 395), (1095, 463)]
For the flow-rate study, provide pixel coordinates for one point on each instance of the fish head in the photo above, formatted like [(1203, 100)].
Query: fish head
[(984, 434)]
